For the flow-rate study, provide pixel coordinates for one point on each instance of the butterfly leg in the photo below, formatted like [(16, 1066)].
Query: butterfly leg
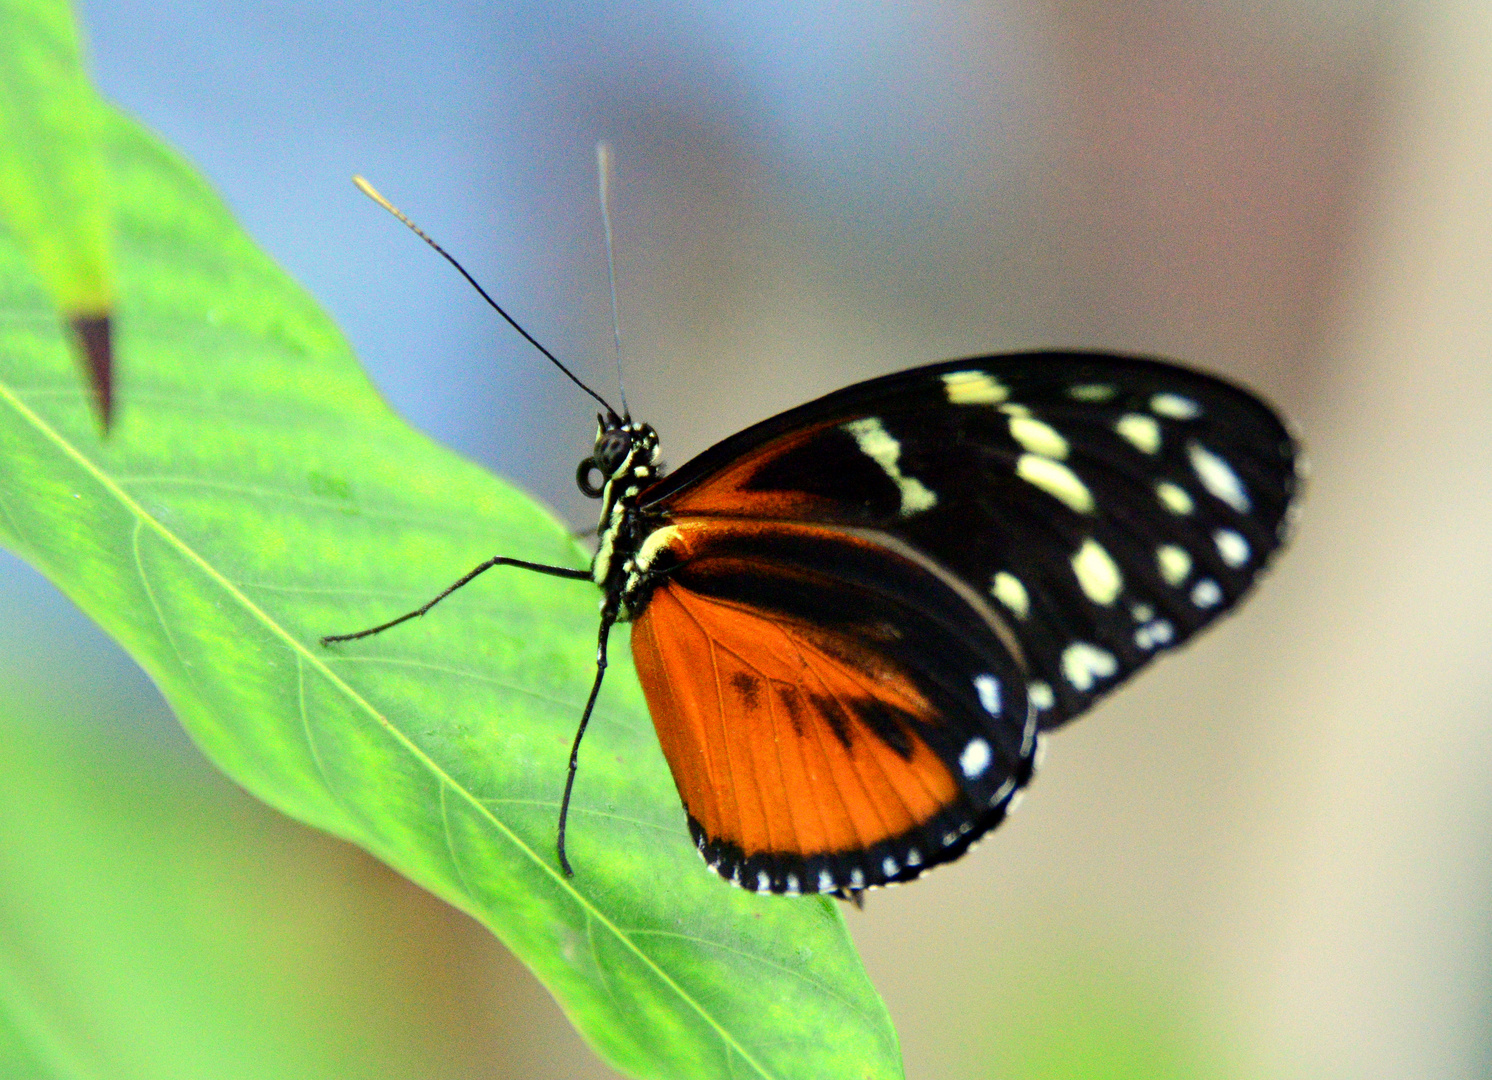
[(538, 568), (608, 617)]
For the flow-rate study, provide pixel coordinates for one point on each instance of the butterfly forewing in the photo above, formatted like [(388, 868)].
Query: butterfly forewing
[(1107, 507), (837, 714)]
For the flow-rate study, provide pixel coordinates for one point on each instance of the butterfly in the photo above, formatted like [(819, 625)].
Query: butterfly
[(854, 621)]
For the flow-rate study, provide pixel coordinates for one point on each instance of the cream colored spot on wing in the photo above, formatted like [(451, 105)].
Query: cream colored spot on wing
[(1084, 664), (1175, 406), (1037, 437), (1056, 479), (1218, 478), (1097, 572), (1142, 431), (876, 443), (1175, 564), (1233, 548), (1174, 498), (973, 388), (1090, 392), (1041, 695), (1007, 589)]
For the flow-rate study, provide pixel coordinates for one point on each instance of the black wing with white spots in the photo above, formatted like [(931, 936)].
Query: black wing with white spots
[(1109, 506)]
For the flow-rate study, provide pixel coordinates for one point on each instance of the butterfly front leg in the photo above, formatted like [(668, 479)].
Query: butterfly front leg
[(538, 568), (608, 620)]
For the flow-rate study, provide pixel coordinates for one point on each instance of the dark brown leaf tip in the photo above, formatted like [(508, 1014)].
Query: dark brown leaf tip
[(96, 351)]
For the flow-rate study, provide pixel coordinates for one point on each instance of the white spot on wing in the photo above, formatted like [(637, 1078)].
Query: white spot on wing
[(989, 693), (1175, 564), (914, 857), (889, 867), (857, 879), (763, 882), (1207, 593), (1142, 431), (975, 758), (1007, 589), (1037, 437), (1090, 392), (1174, 497), (792, 885), (1015, 802), (1154, 635), (1233, 548), (1084, 664), (876, 443), (1218, 478), (1056, 479), (826, 881), (1175, 406), (1041, 695), (1097, 573), (973, 388)]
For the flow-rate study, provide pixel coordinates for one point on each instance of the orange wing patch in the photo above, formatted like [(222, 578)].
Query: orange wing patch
[(784, 739), (729, 491)]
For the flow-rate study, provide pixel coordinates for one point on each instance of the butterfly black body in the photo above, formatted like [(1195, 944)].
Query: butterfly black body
[(853, 620)]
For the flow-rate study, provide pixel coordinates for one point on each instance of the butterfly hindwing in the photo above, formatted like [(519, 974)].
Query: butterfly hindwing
[(837, 713), (1108, 507)]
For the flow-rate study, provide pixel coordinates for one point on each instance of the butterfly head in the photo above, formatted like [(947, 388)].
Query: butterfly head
[(622, 447)]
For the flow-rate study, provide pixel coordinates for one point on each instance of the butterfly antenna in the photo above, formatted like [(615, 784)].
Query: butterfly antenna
[(603, 174), (372, 193)]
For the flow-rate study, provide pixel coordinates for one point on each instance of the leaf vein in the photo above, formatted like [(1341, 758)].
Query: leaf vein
[(764, 961)]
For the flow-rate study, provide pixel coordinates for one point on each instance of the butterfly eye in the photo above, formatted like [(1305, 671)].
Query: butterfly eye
[(611, 451)]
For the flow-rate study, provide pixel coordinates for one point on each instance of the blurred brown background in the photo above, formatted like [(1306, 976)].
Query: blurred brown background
[(1272, 855)]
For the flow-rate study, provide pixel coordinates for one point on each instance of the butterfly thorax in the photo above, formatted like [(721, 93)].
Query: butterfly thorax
[(626, 457)]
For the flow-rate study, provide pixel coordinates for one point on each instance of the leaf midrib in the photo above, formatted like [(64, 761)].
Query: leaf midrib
[(419, 756)]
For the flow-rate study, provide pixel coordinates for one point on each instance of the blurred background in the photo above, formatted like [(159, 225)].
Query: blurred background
[(1269, 857)]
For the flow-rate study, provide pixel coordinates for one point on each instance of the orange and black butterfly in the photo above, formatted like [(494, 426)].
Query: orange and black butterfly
[(854, 621)]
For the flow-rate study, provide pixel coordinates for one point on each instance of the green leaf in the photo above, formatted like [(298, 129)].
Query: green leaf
[(158, 924), (258, 495), (28, 1051), (52, 196)]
